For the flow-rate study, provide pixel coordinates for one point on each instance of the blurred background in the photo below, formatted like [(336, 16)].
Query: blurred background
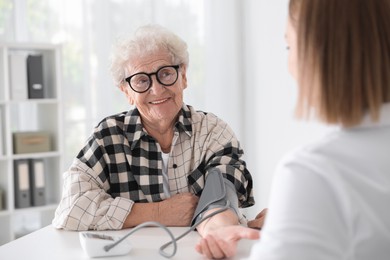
[(238, 67)]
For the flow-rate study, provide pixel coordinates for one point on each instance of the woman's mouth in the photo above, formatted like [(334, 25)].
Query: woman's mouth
[(157, 102)]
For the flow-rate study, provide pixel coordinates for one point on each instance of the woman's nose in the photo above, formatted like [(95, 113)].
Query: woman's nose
[(156, 86)]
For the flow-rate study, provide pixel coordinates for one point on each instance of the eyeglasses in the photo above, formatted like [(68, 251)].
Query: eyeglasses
[(141, 82)]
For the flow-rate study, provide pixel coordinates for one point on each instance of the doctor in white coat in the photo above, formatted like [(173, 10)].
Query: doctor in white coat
[(331, 199)]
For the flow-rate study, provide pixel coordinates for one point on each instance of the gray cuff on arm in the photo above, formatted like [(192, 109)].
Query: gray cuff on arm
[(217, 193)]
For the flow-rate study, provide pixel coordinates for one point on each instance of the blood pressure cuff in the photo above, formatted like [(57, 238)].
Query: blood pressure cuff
[(218, 192)]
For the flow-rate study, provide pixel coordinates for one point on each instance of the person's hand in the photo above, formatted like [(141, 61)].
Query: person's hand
[(258, 222), (178, 210), (222, 242)]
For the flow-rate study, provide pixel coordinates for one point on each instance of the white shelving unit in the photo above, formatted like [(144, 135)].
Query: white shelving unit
[(43, 114)]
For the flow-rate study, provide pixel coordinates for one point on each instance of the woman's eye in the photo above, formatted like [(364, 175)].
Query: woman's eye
[(165, 74)]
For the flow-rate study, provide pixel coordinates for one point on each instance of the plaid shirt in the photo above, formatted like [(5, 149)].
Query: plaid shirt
[(121, 164)]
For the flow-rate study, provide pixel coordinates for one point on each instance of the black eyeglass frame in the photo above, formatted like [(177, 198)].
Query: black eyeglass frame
[(176, 67)]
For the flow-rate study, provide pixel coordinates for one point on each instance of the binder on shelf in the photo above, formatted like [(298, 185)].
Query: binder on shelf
[(1, 200), (18, 76), (37, 182), (1, 134), (35, 76), (22, 183)]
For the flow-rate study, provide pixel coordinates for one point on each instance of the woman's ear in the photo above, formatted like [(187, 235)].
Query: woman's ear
[(184, 75), (122, 87)]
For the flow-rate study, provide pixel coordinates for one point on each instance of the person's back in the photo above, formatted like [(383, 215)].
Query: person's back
[(348, 176), (367, 182), (331, 199)]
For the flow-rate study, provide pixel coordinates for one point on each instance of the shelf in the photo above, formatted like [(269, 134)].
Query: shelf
[(48, 207), (30, 156), (32, 101), (35, 155), (18, 113), (4, 212), (29, 46)]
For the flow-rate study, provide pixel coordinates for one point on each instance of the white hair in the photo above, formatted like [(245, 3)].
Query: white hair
[(147, 40)]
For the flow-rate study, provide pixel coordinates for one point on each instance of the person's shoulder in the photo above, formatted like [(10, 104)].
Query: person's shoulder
[(201, 117), (113, 123), (112, 120), (315, 156)]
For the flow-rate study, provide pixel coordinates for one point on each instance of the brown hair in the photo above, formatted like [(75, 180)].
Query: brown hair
[(344, 58)]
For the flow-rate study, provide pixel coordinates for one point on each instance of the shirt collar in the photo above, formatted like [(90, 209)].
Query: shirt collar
[(135, 130), (184, 123)]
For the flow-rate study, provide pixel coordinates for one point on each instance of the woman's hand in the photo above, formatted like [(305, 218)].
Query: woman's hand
[(222, 242), (258, 222), (178, 210)]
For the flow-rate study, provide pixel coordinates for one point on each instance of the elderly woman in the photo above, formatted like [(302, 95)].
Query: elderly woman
[(151, 163)]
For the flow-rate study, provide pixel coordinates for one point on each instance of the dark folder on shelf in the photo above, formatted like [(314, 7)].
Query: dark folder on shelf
[(35, 76), (22, 183), (37, 182)]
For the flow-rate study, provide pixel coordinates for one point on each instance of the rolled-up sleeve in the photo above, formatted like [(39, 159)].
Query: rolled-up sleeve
[(235, 171), (85, 204), (226, 155), (216, 146)]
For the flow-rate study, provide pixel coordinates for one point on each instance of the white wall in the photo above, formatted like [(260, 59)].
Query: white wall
[(225, 82), (248, 85), (271, 129)]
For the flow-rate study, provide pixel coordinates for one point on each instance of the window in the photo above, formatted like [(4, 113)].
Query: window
[(86, 29)]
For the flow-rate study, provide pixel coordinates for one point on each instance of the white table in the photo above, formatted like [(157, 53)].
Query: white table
[(50, 243)]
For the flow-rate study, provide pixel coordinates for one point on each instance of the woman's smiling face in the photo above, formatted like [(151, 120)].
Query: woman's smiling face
[(159, 103)]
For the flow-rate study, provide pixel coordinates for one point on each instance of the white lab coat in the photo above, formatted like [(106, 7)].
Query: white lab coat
[(331, 199)]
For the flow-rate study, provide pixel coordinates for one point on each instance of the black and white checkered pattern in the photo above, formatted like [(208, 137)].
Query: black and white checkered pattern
[(121, 164)]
